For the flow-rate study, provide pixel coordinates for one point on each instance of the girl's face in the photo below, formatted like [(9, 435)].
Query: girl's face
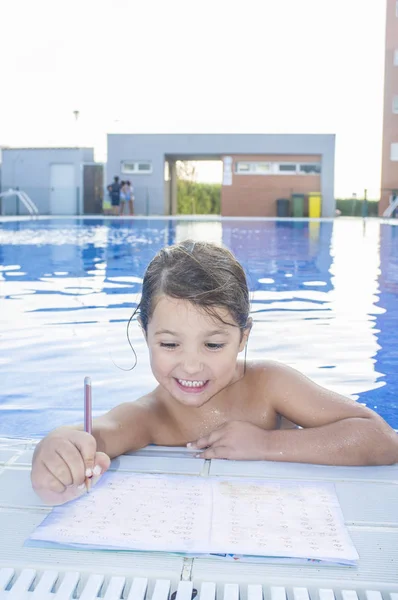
[(193, 356)]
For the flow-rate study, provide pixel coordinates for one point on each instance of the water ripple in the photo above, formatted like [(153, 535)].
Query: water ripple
[(324, 299)]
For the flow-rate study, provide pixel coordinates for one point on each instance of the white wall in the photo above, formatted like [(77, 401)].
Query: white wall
[(29, 170)]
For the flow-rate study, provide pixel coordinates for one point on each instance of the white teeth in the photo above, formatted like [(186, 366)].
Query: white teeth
[(187, 383)]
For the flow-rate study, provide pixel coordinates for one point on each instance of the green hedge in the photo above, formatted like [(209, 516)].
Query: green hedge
[(353, 208), (205, 199), (198, 198)]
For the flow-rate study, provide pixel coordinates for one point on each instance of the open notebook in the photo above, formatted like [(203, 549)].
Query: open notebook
[(196, 516)]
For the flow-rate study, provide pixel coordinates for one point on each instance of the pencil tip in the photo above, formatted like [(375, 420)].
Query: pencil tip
[(87, 381)]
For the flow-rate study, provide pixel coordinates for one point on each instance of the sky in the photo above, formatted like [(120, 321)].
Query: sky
[(196, 66)]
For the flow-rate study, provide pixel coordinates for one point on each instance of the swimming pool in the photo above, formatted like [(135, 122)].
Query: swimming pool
[(324, 300)]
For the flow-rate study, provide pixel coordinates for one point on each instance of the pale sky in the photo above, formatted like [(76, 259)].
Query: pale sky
[(196, 66)]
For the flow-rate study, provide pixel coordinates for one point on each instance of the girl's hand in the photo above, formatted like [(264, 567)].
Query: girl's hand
[(236, 440), (61, 463)]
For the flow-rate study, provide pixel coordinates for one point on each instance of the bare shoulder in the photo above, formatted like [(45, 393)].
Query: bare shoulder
[(260, 376), (300, 399), (140, 408), (275, 374), (128, 426), (264, 371)]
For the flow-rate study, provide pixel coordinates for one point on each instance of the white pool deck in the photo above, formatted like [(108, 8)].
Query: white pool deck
[(368, 497)]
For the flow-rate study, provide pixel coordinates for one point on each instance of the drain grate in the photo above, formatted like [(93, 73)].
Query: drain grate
[(30, 584)]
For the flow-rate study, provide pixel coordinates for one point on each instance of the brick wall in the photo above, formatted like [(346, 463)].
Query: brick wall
[(256, 195)]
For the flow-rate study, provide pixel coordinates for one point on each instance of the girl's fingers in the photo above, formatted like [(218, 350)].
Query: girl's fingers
[(102, 461), (59, 469), (215, 452), (67, 469), (207, 441), (86, 444), (74, 461), (46, 480)]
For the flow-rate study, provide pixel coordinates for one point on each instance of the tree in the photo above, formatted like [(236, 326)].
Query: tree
[(186, 170), (193, 197), (198, 198)]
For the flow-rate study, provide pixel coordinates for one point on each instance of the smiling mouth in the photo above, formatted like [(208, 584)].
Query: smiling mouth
[(192, 386)]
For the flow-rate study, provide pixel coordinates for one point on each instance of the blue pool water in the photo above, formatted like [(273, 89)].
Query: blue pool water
[(324, 299)]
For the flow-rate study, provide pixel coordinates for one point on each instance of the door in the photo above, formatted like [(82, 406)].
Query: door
[(63, 193), (93, 189)]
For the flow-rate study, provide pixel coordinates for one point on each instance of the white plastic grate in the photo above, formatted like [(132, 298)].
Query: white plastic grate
[(30, 584)]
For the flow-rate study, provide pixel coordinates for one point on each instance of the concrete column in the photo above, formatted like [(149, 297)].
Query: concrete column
[(173, 186), (327, 184)]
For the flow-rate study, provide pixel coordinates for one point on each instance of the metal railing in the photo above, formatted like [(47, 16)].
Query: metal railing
[(391, 208), (24, 198)]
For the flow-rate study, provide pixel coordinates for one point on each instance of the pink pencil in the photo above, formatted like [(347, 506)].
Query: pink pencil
[(87, 416)]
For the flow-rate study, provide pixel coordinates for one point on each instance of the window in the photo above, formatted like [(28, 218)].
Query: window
[(242, 167), (396, 58), (395, 105), (147, 167), (287, 167), (394, 151), (275, 168), (254, 168), (139, 167), (310, 168), (263, 167)]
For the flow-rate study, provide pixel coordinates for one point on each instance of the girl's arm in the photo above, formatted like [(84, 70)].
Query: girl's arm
[(335, 430), (67, 455), (125, 428)]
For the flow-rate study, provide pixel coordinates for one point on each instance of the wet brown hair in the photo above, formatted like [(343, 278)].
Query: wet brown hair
[(204, 273)]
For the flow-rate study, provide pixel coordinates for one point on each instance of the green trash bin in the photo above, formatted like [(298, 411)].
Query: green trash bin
[(298, 205)]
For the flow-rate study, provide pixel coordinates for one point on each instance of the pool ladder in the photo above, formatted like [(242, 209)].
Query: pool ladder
[(24, 198)]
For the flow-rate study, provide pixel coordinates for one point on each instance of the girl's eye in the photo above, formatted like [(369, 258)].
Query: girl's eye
[(213, 346), (169, 345)]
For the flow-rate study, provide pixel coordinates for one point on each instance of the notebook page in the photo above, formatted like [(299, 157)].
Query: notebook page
[(276, 518), (135, 512)]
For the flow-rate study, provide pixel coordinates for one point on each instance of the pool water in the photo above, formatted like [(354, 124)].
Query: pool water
[(324, 300)]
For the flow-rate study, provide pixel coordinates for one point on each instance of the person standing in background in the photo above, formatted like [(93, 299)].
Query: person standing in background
[(114, 192), (126, 195), (130, 197), (122, 197)]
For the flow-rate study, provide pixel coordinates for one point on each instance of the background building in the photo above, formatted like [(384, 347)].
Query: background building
[(60, 181), (258, 169), (389, 171), (252, 185)]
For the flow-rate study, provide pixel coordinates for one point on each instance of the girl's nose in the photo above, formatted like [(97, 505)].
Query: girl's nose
[(192, 365)]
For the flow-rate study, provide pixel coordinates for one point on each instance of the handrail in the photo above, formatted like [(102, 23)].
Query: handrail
[(390, 209), (25, 199), (29, 200)]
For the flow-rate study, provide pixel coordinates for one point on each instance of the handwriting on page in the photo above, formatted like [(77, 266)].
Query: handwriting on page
[(282, 519), (145, 512), (198, 515)]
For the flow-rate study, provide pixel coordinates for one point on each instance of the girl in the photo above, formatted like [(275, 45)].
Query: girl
[(126, 195), (194, 315), (122, 198)]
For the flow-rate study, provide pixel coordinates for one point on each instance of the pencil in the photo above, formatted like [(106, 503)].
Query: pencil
[(87, 417)]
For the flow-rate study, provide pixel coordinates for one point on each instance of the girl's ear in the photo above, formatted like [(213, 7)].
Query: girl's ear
[(245, 334)]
